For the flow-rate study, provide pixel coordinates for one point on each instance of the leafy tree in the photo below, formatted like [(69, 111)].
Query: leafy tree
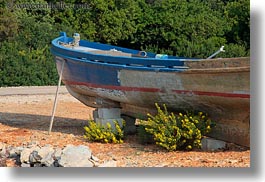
[(8, 24), (238, 15), (190, 28), (183, 28)]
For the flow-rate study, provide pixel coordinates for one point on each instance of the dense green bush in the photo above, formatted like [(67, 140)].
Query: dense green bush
[(189, 28), (182, 131), (97, 132)]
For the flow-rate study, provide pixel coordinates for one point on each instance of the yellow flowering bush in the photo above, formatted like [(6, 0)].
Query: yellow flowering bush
[(181, 131), (96, 132)]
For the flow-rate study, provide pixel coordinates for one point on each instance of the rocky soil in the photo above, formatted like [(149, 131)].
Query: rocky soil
[(25, 119)]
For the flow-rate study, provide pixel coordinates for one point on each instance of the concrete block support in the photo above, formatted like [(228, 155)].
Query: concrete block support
[(107, 115), (111, 121)]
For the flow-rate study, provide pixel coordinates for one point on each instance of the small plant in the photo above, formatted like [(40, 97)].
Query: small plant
[(97, 132), (182, 131)]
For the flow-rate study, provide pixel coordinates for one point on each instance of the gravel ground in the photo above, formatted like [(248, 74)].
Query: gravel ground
[(26, 118)]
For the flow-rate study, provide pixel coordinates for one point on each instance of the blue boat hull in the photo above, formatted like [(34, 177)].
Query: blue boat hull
[(217, 87)]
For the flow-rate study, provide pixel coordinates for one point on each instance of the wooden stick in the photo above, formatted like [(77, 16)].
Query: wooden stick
[(55, 101)]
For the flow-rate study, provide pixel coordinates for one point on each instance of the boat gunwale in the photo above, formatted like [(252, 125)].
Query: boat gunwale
[(126, 50), (170, 59), (148, 64), (183, 69)]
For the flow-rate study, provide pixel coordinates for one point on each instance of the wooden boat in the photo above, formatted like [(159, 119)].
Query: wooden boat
[(106, 76)]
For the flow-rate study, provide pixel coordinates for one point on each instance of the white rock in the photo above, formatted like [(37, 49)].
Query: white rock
[(76, 156)]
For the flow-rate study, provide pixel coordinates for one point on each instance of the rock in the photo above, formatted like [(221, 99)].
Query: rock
[(25, 165), (15, 152), (24, 156), (57, 154), (42, 157), (210, 144), (75, 156), (56, 163), (94, 158), (48, 160), (37, 164), (47, 156), (25, 153), (34, 157)]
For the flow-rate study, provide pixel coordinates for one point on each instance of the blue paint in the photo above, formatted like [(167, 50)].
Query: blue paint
[(102, 69), (149, 63), (90, 73)]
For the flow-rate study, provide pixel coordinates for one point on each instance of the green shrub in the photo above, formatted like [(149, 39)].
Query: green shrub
[(182, 131), (97, 132)]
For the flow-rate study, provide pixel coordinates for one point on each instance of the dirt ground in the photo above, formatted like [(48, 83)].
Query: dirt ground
[(26, 118)]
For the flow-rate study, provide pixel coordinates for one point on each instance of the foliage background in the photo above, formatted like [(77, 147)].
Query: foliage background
[(189, 28)]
